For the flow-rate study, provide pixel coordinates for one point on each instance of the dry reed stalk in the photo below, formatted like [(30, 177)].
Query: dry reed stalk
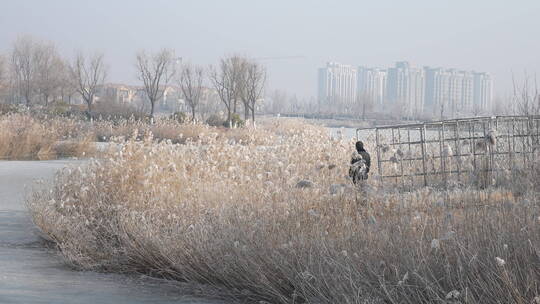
[(217, 212)]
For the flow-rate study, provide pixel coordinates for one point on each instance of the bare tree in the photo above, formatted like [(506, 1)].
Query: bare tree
[(226, 80), (252, 87), (3, 75), (2, 69), (68, 85), (277, 101), (501, 106), (442, 108), (37, 69), (88, 74), (50, 71), (526, 97), (155, 71), (364, 103), (190, 82), (476, 109), (23, 67), (209, 103)]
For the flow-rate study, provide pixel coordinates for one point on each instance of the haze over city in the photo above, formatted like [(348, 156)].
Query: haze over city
[(488, 36), (269, 151)]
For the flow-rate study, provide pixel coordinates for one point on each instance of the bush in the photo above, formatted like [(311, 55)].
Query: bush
[(230, 216), (6, 108), (109, 110), (27, 137), (215, 120), (180, 117), (236, 121), (59, 108)]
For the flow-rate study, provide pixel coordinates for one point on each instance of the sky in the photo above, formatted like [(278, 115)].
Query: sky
[(498, 37)]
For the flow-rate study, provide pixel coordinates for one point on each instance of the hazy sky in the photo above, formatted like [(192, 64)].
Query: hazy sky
[(499, 37)]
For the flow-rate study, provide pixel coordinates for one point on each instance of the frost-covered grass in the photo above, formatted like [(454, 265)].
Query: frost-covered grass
[(230, 215), (33, 136), (23, 136)]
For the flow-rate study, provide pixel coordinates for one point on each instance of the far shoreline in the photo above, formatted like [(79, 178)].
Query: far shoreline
[(340, 122)]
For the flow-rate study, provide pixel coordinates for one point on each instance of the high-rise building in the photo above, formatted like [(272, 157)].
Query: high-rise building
[(448, 91), (405, 86), (482, 92), (411, 90), (372, 83), (337, 83)]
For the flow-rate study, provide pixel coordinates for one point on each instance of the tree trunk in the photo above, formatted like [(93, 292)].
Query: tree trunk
[(246, 112), (89, 111), (253, 114), (229, 116), (152, 104), (364, 111), (192, 114)]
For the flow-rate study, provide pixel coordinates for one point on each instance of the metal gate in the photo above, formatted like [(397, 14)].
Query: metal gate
[(478, 151)]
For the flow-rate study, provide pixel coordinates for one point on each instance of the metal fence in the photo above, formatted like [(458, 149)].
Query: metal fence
[(476, 150)]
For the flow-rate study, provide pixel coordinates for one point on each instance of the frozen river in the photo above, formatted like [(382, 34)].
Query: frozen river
[(31, 273)]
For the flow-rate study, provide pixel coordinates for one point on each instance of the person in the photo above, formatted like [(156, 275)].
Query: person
[(360, 164)]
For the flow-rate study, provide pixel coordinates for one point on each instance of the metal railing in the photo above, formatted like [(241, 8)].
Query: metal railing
[(469, 150)]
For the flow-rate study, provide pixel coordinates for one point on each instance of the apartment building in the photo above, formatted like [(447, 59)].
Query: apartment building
[(337, 84), (448, 91), (372, 83), (406, 87), (482, 91)]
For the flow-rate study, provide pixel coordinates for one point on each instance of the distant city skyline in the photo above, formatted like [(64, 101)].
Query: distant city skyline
[(416, 90), (491, 36)]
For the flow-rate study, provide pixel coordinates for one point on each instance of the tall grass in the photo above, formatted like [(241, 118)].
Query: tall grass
[(25, 137), (230, 215), (39, 136)]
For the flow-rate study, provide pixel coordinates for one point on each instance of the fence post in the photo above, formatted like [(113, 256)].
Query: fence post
[(379, 163), (530, 141), (393, 149), (401, 158), (472, 136), (441, 154), (457, 142), (411, 174), (423, 145)]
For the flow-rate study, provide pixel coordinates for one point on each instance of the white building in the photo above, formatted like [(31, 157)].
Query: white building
[(411, 90), (337, 84), (405, 86), (482, 92), (448, 91), (372, 83)]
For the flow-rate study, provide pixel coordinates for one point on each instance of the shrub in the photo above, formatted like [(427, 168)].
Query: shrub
[(6, 108), (180, 117), (58, 108), (236, 121), (215, 120), (228, 215), (115, 111), (27, 137), (23, 137)]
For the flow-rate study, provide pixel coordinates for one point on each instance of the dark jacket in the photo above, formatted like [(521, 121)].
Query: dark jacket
[(360, 164), (365, 157)]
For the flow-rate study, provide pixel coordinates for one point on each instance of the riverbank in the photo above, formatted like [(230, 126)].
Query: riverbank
[(331, 121), (31, 272)]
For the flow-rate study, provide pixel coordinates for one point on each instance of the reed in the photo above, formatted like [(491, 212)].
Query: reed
[(228, 213)]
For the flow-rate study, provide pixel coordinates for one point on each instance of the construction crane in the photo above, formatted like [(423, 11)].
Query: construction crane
[(278, 58)]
